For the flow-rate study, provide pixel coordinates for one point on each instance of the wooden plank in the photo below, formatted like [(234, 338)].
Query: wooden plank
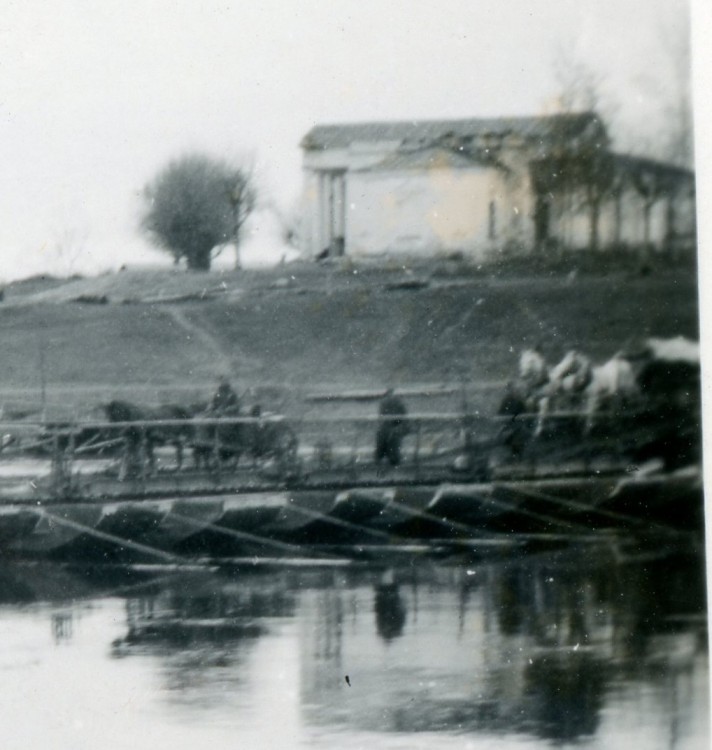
[(417, 391), (67, 426)]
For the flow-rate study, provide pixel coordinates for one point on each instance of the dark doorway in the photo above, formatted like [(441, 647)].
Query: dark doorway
[(333, 196), (542, 218)]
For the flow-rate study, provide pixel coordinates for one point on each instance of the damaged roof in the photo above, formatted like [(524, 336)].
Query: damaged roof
[(629, 163), (426, 158), (431, 131)]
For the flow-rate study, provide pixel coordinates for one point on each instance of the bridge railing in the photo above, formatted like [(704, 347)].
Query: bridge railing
[(325, 441)]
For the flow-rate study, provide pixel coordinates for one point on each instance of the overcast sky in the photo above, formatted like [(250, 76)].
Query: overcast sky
[(96, 96)]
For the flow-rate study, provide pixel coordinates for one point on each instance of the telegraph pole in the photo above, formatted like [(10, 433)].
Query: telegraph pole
[(42, 345)]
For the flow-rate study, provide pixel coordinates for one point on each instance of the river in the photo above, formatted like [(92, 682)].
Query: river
[(581, 648)]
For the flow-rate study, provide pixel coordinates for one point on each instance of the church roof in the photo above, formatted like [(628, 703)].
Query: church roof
[(429, 131)]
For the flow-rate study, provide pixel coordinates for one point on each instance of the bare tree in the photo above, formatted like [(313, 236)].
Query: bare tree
[(242, 191), (197, 205), (69, 245), (289, 222), (668, 87), (579, 85), (584, 167), (678, 136)]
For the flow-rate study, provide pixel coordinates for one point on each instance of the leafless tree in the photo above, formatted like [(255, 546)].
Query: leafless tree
[(678, 136), (69, 245), (668, 88), (585, 169), (243, 196), (582, 168), (289, 221), (579, 85)]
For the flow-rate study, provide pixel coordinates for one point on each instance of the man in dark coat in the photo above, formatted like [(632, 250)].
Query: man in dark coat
[(391, 429), (224, 400), (515, 432)]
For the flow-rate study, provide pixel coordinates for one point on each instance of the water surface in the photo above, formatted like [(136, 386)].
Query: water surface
[(545, 651)]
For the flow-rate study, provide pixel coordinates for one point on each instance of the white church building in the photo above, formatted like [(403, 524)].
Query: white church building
[(483, 186)]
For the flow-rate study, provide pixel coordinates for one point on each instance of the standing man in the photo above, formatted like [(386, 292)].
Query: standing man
[(391, 429)]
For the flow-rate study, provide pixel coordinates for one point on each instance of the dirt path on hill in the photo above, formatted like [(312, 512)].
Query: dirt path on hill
[(225, 362)]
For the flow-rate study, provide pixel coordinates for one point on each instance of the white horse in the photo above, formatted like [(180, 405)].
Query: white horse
[(593, 389), (678, 349), (613, 382), (567, 381)]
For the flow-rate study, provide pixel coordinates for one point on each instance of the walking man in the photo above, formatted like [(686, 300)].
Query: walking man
[(391, 428)]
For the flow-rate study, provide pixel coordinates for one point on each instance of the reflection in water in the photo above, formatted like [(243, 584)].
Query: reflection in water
[(193, 610), (529, 647), (390, 608), (204, 630), (545, 650), (62, 626), (564, 691)]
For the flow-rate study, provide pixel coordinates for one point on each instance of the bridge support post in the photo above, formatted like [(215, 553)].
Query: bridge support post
[(417, 450), (61, 465), (216, 451)]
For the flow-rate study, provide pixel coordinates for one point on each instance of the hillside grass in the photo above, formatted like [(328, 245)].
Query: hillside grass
[(168, 334)]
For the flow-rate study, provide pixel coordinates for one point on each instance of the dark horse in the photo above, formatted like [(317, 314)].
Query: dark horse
[(270, 437), (141, 440), (261, 437), (216, 442)]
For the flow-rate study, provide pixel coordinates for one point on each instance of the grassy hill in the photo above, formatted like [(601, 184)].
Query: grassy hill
[(168, 334)]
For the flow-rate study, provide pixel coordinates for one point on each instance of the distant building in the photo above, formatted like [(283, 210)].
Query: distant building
[(482, 186)]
